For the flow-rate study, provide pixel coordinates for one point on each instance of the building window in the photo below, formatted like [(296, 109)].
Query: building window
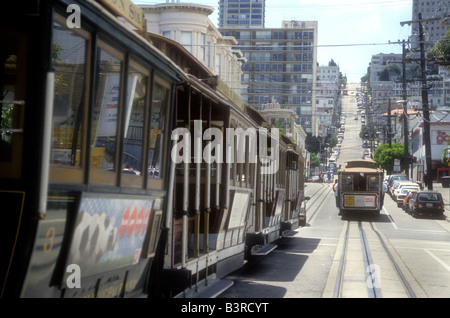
[(202, 46), (218, 64), (208, 55), (263, 34), (186, 40)]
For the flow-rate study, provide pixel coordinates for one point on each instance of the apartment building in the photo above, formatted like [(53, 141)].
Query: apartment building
[(241, 13), (281, 66), (327, 97)]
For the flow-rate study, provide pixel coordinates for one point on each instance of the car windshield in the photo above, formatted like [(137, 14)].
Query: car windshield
[(408, 186), (429, 197), (397, 178)]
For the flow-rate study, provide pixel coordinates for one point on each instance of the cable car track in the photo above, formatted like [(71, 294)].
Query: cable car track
[(319, 198), (350, 268)]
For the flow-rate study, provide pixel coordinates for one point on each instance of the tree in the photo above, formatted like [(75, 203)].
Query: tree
[(390, 71), (314, 160), (315, 144), (281, 125), (385, 155), (332, 63), (365, 78), (364, 130), (440, 52), (312, 143), (445, 157)]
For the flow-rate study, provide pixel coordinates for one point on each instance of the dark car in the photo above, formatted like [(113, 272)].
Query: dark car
[(426, 202)]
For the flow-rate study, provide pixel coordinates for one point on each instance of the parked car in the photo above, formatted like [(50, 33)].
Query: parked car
[(426, 202), (314, 179), (402, 193), (395, 185), (398, 191), (395, 177), (405, 205)]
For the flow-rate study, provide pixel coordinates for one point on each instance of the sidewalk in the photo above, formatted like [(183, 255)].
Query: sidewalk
[(445, 192)]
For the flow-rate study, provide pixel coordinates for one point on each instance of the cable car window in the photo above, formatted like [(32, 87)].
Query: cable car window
[(160, 100), (106, 115), (69, 61), (132, 157), (8, 107), (373, 183), (12, 102), (347, 183)]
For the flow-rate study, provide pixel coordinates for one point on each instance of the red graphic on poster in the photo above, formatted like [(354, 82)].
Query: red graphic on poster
[(145, 220), (124, 222), (137, 253), (139, 220), (132, 222)]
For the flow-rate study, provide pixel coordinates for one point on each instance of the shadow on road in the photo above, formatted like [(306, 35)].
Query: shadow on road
[(281, 265)]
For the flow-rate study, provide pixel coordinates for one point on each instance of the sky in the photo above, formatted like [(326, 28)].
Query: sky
[(350, 31)]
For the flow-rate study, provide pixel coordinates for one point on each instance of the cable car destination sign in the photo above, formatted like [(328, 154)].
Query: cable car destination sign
[(128, 10)]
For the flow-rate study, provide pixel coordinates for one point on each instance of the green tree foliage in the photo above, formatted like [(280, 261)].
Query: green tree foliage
[(441, 51), (315, 144), (280, 125), (385, 155), (364, 130), (314, 162), (389, 72), (445, 158), (365, 78)]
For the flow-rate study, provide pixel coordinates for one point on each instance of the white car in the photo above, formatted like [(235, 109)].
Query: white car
[(398, 191), (396, 184)]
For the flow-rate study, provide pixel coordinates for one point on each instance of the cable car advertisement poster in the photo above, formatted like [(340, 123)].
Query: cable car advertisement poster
[(109, 233)]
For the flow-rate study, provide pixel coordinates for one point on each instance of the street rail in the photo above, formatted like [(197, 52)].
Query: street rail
[(319, 197), (372, 279)]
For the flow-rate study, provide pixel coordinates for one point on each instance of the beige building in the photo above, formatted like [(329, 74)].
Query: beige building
[(189, 24), (285, 119)]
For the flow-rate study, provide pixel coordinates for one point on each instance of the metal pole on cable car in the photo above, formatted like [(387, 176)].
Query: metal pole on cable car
[(186, 159), (207, 209), (198, 161)]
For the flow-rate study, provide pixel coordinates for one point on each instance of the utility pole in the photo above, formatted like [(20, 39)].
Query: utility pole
[(425, 108), (405, 111), (389, 129)]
